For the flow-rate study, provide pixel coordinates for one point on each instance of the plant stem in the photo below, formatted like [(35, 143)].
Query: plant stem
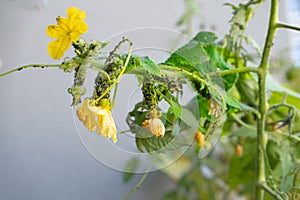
[(122, 71), (138, 184), (270, 191), (238, 120), (29, 66), (234, 71), (287, 26), (262, 137), (199, 79)]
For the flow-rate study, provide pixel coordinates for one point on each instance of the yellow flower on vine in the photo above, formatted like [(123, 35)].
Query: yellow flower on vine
[(66, 31), (98, 117)]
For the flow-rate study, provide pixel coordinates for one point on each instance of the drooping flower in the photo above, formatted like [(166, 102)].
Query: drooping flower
[(106, 125), (66, 31), (155, 126), (99, 118), (87, 116)]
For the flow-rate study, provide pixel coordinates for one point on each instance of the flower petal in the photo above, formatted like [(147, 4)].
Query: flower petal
[(81, 26), (156, 127), (76, 13), (63, 23), (57, 48), (87, 116), (74, 35), (106, 125), (66, 31), (55, 31)]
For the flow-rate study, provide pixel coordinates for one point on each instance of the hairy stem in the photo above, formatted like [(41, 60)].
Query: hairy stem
[(262, 137), (29, 66)]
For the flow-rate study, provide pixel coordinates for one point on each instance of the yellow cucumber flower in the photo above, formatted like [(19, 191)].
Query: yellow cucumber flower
[(104, 125), (66, 31)]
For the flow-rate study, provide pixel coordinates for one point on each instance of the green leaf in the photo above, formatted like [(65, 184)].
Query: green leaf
[(152, 144), (203, 107), (215, 53), (141, 64), (129, 169), (252, 42), (249, 108), (231, 101), (205, 38), (133, 64), (277, 97), (150, 66), (296, 181), (287, 165), (247, 87), (203, 55), (273, 156), (189, 118), (173, 139), (176, 109), (234, 33), (293, 98), (230, 80), (239, 16), (245, 132), (193, 56), (273, 85), (287, 183)]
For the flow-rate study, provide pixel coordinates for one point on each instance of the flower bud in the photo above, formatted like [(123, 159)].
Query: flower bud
[(238, 150), (201, 140), (155, 126)]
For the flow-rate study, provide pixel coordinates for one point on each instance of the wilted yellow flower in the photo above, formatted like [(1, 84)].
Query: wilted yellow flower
[(66, 31), (155, 126), (87, 116), (104, 125)]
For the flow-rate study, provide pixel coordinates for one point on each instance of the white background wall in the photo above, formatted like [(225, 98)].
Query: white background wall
[(41, 156)]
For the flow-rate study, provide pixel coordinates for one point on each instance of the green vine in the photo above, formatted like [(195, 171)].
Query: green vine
[(224, 85)]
